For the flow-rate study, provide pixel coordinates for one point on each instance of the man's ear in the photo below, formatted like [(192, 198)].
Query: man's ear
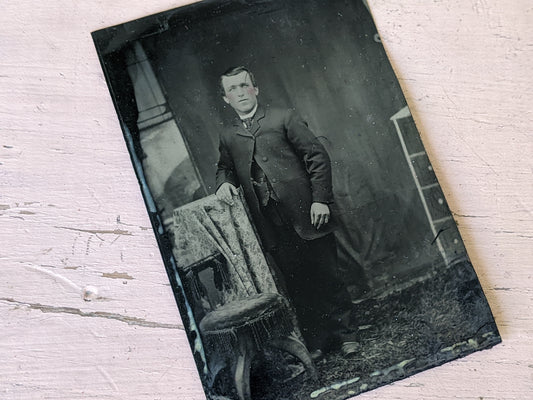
[(256, 90), (225, 99)]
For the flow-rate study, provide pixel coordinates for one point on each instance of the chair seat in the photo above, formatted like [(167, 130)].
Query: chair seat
[(243, 312), (237, 330)]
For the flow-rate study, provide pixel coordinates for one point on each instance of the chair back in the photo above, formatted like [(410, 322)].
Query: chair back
[(207, 284)]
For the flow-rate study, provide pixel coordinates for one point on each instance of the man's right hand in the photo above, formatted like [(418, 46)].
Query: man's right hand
[(225, 193)]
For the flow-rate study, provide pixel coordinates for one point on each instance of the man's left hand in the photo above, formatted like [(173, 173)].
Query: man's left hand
[(320, 215)]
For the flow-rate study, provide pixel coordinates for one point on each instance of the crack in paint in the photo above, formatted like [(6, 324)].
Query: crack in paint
[(94, 314)]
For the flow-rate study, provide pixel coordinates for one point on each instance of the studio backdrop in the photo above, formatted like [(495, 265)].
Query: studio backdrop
[(329, 75)]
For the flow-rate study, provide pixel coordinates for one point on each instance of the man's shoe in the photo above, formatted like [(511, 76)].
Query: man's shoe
[(350, 349)]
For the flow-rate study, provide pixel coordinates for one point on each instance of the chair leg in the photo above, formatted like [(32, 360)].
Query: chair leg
[(241, 369), (293, 346)]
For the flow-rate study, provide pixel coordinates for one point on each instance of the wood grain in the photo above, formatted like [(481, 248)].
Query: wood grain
[(72, 214)]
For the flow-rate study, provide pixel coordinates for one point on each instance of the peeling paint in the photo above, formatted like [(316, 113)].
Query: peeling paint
[(117, 275)]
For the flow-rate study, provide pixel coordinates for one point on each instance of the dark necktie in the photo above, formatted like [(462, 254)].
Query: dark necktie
[(248, 122)]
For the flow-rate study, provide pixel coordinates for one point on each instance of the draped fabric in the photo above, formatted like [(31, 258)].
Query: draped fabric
[(325, 60), (208, 225)]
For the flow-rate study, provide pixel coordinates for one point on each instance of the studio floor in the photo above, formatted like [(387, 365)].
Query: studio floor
[(432, 321)]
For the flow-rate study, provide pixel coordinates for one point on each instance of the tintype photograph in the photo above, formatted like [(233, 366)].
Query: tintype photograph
[(309, 245)]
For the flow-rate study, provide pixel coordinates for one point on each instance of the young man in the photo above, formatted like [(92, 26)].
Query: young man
[(285, 174)]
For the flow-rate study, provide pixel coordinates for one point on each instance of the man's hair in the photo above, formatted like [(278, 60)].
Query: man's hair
[(232, 72)]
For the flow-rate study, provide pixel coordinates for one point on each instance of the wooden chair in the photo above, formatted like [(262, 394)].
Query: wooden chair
[(233, 328)]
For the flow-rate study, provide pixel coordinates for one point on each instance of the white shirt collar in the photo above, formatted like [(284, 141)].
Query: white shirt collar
[(250, 114)]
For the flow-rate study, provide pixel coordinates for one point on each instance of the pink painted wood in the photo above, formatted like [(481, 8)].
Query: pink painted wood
[(74, 223)]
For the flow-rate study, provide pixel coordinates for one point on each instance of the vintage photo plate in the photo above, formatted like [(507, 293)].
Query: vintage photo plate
[(309, 245)]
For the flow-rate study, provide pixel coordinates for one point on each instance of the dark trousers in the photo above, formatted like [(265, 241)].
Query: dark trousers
[(309, 269)]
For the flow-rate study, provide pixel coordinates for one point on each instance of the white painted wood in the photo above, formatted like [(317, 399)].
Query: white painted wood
[(72, 214)]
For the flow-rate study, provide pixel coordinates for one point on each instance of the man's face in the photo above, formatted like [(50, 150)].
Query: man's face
[(240, 93)]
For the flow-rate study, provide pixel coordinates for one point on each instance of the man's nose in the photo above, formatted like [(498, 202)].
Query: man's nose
[(240, 92)]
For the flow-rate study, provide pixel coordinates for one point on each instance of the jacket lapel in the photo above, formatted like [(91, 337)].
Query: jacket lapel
[(259, 115), (240, 129)]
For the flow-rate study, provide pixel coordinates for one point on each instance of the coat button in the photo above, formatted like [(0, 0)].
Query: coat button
[(274, 180), (265, 158)]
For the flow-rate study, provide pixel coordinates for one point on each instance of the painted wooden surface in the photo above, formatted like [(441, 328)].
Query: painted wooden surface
[(73, 220)]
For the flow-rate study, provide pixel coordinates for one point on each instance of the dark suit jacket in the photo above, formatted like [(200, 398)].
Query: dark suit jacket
[(294, 161)]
